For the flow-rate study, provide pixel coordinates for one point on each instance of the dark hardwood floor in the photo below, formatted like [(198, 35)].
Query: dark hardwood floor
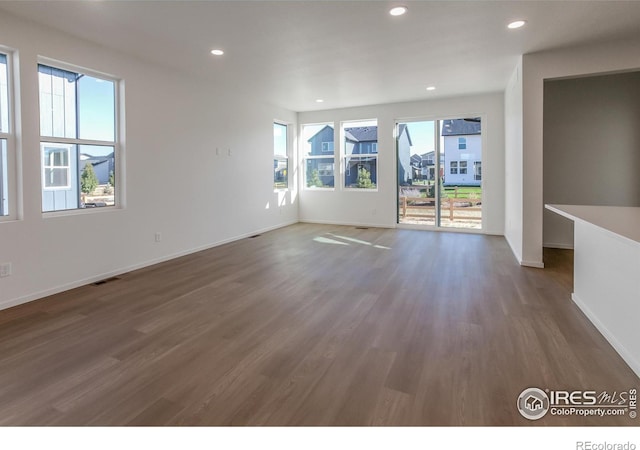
[(310, 325)]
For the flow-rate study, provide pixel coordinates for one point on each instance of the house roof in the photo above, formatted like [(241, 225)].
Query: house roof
[(320, 131), (461, 127), (361, 134)]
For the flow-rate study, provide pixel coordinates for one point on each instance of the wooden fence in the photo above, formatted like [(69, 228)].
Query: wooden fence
[(449, 206)]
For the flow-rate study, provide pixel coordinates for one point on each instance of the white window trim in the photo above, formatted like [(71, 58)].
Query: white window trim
[(284, 158), (462, 143), (13, 159), (117, 149), (466, 167), (343, 157)]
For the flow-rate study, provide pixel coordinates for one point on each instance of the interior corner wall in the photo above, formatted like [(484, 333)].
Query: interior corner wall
[(379, 208), (513, 161), (591, 147), (606, 57), (175, 182)]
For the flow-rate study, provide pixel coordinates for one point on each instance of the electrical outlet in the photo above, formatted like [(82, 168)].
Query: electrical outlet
[(158, 236), (5, 270)]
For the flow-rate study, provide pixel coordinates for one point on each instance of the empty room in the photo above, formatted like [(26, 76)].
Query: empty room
[(319, 213)]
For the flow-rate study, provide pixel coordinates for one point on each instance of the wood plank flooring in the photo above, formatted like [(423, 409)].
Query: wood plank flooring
[(309, 325)]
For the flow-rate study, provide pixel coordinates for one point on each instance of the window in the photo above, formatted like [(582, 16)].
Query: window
[(56, 166), (477, 170), (463, 167), (318, 154), (7, 174), (462, 143), (360, 154), (454, 168), (78, 139), (280, 157), (325, 169)]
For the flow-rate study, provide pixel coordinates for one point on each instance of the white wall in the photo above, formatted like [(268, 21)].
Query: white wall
[(591, 147), (379, 208), (569, 62), (174, 181), (513, 161)]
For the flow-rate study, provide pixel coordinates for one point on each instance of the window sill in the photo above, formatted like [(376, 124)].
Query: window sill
[(80, 211)]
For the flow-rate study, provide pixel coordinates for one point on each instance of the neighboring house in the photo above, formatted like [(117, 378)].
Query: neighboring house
[(322, 144), (405, 172), (360, 142), (61, 171), (416, 166), (462, 152)]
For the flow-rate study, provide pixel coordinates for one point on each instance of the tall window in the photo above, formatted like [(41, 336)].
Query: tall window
[(462, 143), (463, 167), (7, 190), (477, 170), (360, 154), (319, 156), (280, 157), (454, 168), (78, 139)]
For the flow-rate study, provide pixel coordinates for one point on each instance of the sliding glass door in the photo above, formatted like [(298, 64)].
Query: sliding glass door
[(440, 173)]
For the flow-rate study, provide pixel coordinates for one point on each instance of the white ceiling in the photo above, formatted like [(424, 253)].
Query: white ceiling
[(349, 53)]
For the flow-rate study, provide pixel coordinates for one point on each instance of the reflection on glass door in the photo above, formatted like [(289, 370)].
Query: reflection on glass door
[(443, 191)]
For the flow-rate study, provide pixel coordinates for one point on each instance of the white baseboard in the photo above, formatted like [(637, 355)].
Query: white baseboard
[(348, 224), (536, 264), (627, 356), (75, 284), (560, 246)]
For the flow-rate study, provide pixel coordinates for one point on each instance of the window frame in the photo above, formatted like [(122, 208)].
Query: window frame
[(453, 166), (462, 143), (461, 167), (278, 158), (305, 157), (10, 166), (78, 142), (358, 158)]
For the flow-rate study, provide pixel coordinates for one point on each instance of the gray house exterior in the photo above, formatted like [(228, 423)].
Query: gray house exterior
[(322, 144), (362, 144), (360, 141)]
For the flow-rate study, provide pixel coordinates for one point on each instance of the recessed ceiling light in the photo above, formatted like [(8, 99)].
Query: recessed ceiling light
[(431, 88), (516, 24), (217, 52), (319, 100), (398, 10)]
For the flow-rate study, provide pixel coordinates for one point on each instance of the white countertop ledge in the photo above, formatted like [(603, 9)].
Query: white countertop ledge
[(623, 221)]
